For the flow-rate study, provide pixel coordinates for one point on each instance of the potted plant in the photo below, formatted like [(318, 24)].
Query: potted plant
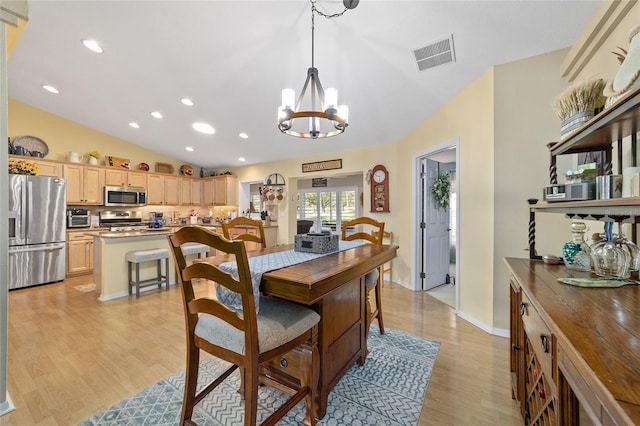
[(93, 157)]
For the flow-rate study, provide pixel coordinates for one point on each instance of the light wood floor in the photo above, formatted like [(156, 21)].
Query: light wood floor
[(71, 356)]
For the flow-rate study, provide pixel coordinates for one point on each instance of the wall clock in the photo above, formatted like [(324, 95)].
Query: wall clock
[(379, 189)]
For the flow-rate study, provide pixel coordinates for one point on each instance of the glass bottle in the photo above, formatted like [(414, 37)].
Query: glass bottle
[(630, 248), (577, 253), (609, 259)]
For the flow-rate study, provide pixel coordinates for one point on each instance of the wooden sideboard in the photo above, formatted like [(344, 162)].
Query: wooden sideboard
[(575, 352)]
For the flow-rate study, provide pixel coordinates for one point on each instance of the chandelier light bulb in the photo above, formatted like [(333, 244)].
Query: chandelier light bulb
[(288, 98), (330, 98), (343, 112)]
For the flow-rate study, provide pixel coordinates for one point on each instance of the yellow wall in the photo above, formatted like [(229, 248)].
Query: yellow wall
[(354, 161), (524, 124), (469, 118), (13, 35), (62, 135)]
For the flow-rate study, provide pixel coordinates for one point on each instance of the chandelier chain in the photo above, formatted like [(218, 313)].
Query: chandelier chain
[(314, 10)]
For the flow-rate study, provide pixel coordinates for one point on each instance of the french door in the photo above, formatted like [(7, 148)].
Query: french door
[(329, 206)]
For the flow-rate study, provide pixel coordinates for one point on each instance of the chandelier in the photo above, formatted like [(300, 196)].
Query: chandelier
[(325, 117)]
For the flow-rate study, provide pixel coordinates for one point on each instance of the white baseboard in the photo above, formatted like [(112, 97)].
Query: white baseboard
[(6, 406), (126, 293), (500, 332)]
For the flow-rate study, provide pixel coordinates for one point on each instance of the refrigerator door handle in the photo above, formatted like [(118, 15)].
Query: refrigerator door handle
[(38, 247), (26, 210)]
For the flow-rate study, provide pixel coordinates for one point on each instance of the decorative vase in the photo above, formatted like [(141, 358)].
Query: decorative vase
[(93, 161), (628, 75), (577, 254), (609, 259)]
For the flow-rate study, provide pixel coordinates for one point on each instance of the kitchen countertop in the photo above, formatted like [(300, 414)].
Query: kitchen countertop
[(151, 232)]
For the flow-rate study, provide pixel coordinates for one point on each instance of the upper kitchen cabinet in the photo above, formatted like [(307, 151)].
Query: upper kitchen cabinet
[(85, 184), (220, 191), (190, 191), (125, 178), (226, 192), (162, 190), (196, 192), (45, 167)]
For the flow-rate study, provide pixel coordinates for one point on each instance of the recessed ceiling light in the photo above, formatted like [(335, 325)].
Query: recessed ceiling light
[(92, 45), (189, 149), (49, 88), (187, 101), (156, 114), (242, 159), (243, 135), (205, 128), (134, 125)]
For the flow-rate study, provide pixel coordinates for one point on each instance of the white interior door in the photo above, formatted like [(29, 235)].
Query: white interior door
[(434, 224)]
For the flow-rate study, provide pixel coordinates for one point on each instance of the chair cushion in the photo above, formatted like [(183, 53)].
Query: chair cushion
[(146, 255), (278, 323), (371, 278), (194, 248)]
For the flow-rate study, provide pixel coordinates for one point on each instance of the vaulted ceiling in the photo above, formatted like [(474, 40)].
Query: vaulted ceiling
[(233, 58)]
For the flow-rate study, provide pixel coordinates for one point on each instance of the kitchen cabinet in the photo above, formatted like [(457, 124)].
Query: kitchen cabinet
[(85, 184), (162, 190), (226, 190), (208, 191), (45, 167), (79, 254), (190, 191), (196, 192), (220, 191), (125, 178)]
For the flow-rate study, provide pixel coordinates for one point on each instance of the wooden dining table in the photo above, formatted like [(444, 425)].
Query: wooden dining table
[(333, 286)]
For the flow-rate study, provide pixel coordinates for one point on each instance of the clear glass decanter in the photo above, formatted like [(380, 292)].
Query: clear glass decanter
[(609, 259), (577, 253), (630, 248)]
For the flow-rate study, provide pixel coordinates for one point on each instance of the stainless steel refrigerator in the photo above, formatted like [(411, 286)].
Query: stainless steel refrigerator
[(37, 231)]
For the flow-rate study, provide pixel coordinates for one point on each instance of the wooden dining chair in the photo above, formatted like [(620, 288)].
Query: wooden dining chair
[(387, 238), (373, 279), (245, 224), (252, 341)]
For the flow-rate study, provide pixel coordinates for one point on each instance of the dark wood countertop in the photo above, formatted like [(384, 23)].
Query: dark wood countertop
[(599, 326)]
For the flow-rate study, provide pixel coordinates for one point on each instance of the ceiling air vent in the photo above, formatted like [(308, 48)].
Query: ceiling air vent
[(435, 54)]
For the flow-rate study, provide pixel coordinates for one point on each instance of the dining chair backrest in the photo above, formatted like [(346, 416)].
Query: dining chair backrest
[(245, 223), (241, 285), (234, 336), (374, 236)]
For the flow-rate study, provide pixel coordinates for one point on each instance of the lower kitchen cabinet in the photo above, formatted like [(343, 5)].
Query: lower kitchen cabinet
[(79, 254)]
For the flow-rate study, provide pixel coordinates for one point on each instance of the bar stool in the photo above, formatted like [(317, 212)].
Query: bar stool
[(195, 248), (137, 257)]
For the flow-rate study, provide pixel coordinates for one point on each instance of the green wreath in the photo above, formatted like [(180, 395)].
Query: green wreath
[(440, 191)]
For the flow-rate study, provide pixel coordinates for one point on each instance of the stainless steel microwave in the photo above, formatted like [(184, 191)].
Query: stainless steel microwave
[(124, 196)]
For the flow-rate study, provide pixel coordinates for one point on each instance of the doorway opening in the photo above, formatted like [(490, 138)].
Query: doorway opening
[(436, 227)]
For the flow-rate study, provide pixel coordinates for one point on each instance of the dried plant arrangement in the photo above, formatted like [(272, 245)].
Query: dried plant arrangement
[(578, 104), (580, 97)]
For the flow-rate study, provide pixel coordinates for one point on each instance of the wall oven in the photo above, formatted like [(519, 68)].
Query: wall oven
[(78, 218), (124, 196)]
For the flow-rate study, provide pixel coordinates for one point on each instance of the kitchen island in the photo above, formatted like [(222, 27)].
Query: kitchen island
[(110, 266)]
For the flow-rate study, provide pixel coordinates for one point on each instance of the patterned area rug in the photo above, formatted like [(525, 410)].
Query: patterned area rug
[(388, 390)]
